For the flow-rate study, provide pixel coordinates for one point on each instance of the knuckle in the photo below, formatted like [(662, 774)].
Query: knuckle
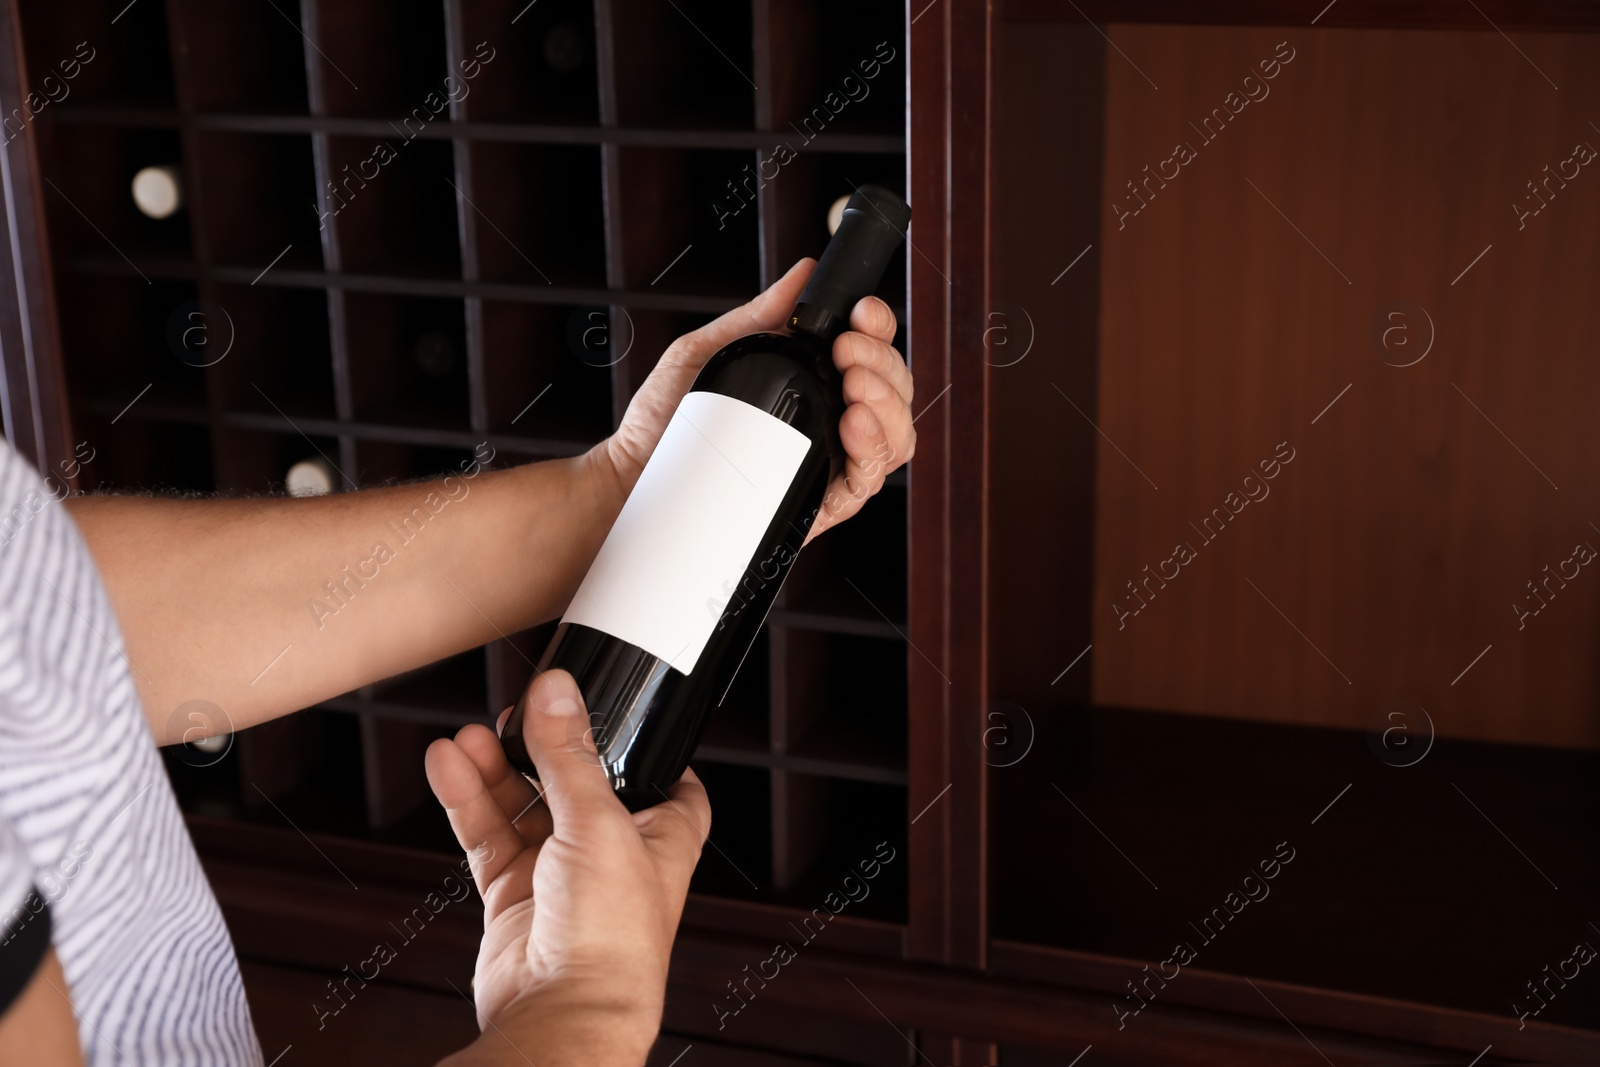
[(856, 348), (678, 351), (885, 357)]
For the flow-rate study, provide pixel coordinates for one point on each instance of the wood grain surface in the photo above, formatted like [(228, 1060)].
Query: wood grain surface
[(1368, 186)]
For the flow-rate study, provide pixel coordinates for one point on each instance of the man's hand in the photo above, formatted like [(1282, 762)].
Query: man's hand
[(876, 428), (581, 898)]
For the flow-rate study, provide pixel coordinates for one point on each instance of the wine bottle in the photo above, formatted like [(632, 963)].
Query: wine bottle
[(434, 354), (686, 576), (563, 49), (158, 191), (310, 477)]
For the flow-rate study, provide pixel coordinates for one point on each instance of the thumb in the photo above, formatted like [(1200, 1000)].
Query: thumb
[(557, 732)]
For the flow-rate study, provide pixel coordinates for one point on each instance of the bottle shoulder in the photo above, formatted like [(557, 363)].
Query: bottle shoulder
[(799, 346), (790, 376), (761, 360)]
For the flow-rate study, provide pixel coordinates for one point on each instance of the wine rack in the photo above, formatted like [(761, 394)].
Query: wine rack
[(557, 188), (611, 169)]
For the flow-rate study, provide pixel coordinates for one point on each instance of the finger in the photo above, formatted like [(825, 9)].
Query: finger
[(871, 455), (516, 796), (882, 432), (862, 350), (556, 731), (481, 826), (873, 317), (677, 828), (768, 311)]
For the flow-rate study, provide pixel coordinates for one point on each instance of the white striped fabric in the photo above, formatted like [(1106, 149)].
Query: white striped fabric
[(88, 817)]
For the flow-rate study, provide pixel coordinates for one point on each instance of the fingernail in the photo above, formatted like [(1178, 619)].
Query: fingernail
[(561, 707), (873, 427), (557, 697)]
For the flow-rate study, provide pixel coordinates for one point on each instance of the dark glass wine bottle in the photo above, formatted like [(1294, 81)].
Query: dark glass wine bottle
[(675, 597)]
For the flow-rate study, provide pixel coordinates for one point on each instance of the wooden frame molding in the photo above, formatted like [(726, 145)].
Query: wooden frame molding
[(33, 398), (947, 664)]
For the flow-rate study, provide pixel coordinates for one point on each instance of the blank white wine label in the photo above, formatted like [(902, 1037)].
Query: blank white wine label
[(678, 551)]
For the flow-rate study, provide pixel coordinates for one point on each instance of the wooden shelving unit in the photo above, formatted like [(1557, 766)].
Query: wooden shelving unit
[(582, 184), (553, 203)]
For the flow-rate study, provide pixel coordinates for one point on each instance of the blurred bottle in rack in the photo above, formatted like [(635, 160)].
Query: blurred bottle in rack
[(158, 191), (563, 48), (310, 477)]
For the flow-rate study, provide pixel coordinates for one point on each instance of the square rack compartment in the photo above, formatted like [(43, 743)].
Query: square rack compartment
[(242, 56), (678, 67), (122, 63), (450, 222), (407, 358), (276, 175), (279, 362), (537, 215), (393, 202), (543, 62), (549, 369), (93, 182)]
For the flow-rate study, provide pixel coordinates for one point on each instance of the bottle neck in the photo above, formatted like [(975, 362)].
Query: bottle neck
[(817, 321)]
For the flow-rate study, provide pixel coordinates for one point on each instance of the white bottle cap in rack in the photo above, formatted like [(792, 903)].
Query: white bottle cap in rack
[(213, 745), (157, 191), (310, 477)]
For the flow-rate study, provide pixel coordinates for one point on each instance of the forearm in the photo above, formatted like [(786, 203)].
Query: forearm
[(554, 1029), (348, 588)]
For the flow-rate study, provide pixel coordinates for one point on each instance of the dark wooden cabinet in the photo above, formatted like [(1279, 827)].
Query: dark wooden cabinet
[(417, 228)]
